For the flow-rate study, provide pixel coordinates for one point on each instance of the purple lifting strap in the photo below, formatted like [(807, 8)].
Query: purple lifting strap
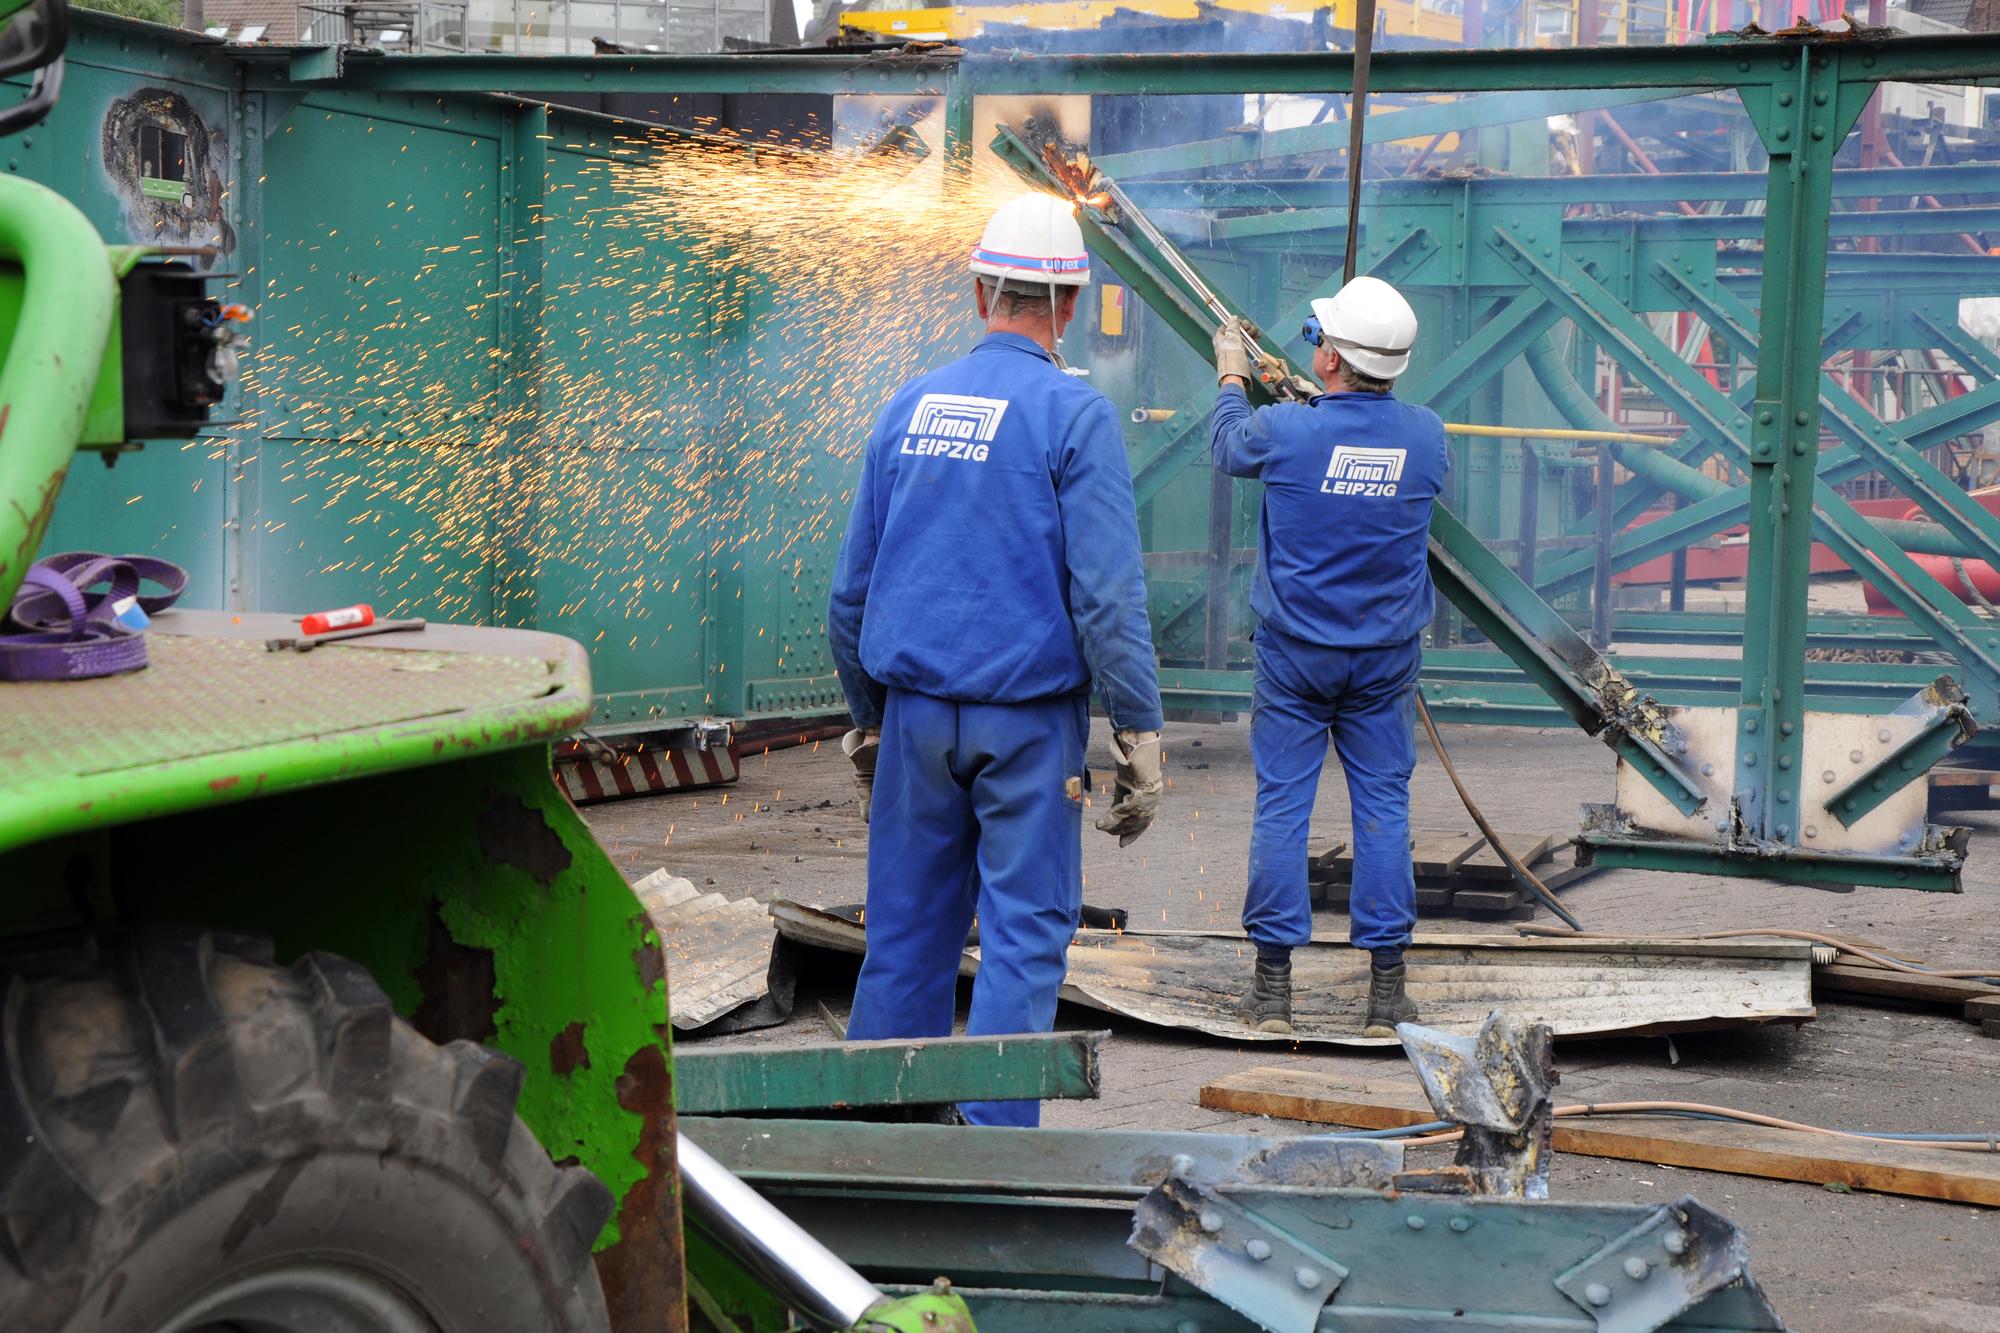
[(57, 629)]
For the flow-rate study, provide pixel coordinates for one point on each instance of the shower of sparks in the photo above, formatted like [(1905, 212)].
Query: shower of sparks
[(719, 323)]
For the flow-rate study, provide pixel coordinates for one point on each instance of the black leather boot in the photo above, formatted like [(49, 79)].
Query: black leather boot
[(1268, 1005), (1387, 1003)]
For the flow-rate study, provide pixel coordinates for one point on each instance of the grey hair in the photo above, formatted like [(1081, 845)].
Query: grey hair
[(1353, 381), (1035, 299)]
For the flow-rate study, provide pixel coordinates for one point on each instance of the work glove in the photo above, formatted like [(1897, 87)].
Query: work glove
[(1232, 349), (1136, 755), (863, 746)]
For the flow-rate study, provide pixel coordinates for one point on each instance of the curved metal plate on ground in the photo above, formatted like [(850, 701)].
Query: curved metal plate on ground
[(718, 951), (1596, 987)]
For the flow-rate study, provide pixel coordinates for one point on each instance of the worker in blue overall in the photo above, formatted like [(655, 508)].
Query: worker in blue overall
[(990, 574), (1342, 596)]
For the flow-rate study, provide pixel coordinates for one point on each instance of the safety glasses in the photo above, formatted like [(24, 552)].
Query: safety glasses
[(1311, 331)]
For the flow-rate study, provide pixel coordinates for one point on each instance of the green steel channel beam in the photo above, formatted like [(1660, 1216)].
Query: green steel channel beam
[(1936, 870), (1721, 627), (1961, 57), (1975, 527), (1972, 355), (1750, 226), (1103, 1163), (1030, 1066), (1506, 609), (1388, 127), (1851, 537), (1309, 204), (1718, 226), (1948, 727)]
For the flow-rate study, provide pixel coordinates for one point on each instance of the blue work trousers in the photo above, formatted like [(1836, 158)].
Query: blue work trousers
[(1365, 698), (973, 811)]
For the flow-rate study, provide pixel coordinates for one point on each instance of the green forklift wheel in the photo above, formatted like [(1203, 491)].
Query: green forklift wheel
[(192, 1138)]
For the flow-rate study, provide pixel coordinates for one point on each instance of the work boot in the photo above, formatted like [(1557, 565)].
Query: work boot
[(1388, 1005), (1268, 1005)]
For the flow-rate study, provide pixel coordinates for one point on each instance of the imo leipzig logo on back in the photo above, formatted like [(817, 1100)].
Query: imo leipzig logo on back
[(1359, 470), (954, 425)]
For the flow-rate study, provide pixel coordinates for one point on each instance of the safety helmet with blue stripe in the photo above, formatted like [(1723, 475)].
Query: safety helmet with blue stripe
[(1369, 323), (1035, 240)]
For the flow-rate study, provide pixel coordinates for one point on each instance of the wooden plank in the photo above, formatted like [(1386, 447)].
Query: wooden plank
[(1487, 900), (1437, 855), (1699, 1145), (1984, 1011), (1528, 848), (1865, 980)]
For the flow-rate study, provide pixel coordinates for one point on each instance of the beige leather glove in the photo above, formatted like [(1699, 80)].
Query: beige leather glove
[(1139, 784), (862, 748), (1232, 350)]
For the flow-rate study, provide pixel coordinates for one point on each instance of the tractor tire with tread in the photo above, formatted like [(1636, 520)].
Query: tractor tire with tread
[(192, 1137)]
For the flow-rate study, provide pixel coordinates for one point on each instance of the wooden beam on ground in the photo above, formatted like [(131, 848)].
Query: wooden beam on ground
[(1698, 1145), (1867, 980)]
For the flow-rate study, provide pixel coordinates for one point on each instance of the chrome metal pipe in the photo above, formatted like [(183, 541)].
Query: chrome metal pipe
[(812, 1279)]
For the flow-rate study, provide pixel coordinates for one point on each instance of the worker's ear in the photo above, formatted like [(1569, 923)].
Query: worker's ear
[(1068, 299), (979, 299), (1326, 362)]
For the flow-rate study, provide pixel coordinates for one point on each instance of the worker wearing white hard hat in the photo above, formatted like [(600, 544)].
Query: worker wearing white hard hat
[(989, 577), (1342, 595)]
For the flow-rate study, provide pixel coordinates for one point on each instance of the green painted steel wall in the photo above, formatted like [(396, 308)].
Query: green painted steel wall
[(483, 386)]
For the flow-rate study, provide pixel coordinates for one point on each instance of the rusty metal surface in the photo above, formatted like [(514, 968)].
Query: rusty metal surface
[(718, 951), (1191, 980), (215, 717), (1496, 1085)]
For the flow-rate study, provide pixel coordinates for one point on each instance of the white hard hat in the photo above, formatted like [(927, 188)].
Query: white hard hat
[(1370, 324), (1034, 238)]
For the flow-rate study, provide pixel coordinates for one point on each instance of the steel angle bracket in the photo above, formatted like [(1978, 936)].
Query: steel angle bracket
[(1947, 724), (1662, 1268), (1496, 1084), (1239, 1258)]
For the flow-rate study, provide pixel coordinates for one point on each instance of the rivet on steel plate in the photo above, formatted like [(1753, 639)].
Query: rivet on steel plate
[(1187, 1326), (1461, 1224), (1597, 1294), (1182, 1163), (1415, 1221), (1258, 1249), (1211, 1221), (1306, 1277), (1676, 1242), (1636, 1269)]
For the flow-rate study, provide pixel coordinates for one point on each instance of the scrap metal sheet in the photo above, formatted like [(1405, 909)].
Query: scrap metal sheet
[(1593, 987), (718, 951)]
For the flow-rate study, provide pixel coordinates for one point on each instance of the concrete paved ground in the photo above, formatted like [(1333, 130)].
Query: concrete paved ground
[(1830, 1261)]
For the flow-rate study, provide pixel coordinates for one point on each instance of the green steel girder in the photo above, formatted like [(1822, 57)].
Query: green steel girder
[(1851, 537), (1973, 356), (1946, 726), (1494, 346), (1306, 199), (887, 1073), (1975, 527), (1730, 63), (1934, 868), (1381, 127)]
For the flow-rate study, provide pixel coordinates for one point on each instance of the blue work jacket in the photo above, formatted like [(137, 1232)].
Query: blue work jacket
[(1349, 480), (993, 552)]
